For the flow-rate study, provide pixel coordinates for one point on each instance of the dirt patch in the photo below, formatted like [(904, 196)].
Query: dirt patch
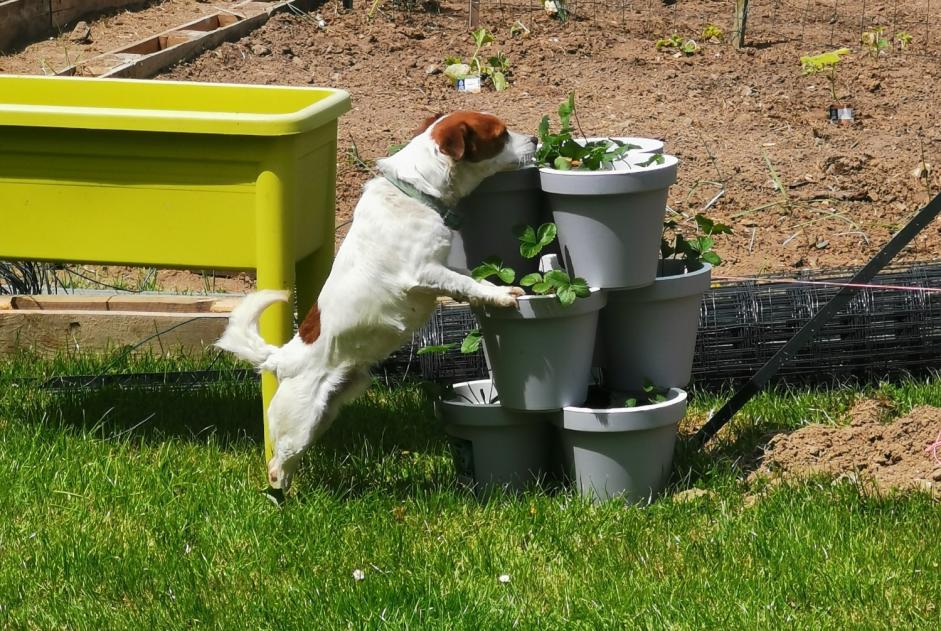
[(902, 454), (847, 189), (727, 114)]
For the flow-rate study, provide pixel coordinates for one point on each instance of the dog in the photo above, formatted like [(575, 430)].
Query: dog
[(385, 281)]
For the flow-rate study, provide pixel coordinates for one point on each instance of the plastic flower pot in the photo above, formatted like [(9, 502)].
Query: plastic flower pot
[(489, 214), (494, 447), (649, 334), (624, 452), (610, 221), (541, 351)]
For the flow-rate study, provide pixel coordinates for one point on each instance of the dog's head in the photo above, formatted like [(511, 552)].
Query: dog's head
[(451, 154)]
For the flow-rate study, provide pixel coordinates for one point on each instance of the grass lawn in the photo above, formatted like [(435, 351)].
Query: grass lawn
[(142, 508)]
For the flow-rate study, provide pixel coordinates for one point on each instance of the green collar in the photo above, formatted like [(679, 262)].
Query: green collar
[(452, 218)]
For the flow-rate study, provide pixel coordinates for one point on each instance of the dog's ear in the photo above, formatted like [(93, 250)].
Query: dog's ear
[(470, 136), (451, 138), (428, 123)]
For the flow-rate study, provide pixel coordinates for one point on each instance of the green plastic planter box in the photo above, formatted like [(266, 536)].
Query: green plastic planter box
[(173, 174)]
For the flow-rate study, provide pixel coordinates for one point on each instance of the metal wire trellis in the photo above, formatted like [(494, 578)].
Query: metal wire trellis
[(882, 333)]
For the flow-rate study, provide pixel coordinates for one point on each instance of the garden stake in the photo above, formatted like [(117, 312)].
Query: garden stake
[(744, 394)]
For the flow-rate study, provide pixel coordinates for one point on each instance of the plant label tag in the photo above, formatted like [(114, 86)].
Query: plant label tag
[(469, 84)]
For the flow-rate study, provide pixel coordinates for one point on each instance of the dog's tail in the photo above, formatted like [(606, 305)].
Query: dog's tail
[(241, 336)]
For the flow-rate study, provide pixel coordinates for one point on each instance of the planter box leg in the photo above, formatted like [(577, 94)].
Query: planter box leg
[(275, 270)]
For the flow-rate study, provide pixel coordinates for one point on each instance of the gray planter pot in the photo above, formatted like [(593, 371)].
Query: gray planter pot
[(490, 213), (494, 447), (610, 222), (649, 334), (541, 352), (621, 452)]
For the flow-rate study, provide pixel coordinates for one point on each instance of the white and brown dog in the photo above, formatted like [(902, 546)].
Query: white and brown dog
[(384, 283)]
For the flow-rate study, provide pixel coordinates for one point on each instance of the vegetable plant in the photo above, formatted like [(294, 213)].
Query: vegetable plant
[(711, 31), (677, 43), (825, 64), (875, 41), (561, 150), (495, 67), (696, 248), (903, 39)]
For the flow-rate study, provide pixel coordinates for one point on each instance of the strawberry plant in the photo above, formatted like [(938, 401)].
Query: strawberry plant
[(712, 33), (561, 150), (494, 68), (697, 248), (652, 394)]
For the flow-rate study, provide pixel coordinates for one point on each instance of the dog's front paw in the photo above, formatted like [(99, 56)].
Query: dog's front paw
[(507, 296)]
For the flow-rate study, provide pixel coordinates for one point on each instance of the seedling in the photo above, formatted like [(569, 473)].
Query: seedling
[(520, 29), (903, 39), (652, 394), (561, 151), (557, 9), (695, 249), (825, 64), (495, 67), (712, 32), (678, 44), (875, 41)]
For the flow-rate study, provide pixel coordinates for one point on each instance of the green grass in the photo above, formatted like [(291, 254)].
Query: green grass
[(136, 508)]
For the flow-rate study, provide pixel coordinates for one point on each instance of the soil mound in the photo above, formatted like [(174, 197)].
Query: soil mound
[(902, 454)]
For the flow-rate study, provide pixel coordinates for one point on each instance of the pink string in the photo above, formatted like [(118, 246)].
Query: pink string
[(933, 448), (794, 281)]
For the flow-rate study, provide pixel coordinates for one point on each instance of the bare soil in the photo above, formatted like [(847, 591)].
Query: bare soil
[(901, 454), (737, 119)]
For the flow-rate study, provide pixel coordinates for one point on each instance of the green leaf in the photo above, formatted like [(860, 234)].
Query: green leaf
[(631, 403), (471, 343), (493, 266), (712, 258), (566, 295), (546, 234), (499, 81), (557, 278), (481, 37), (531, 279), (542, 288), (435, 349), (566, 109), (580, 287), (507, 275), (562, 163), (543, 128), (656, 158)]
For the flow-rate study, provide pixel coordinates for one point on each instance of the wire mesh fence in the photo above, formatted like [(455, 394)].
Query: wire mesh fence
[(882, 333)]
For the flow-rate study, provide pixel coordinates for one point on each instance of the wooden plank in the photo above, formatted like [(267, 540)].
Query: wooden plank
[(121, 303), (194, 40), (64, 12), (22, 22), (51, 332)]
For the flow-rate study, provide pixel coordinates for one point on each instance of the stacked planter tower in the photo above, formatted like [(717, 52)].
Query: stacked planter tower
[(571, 388)]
